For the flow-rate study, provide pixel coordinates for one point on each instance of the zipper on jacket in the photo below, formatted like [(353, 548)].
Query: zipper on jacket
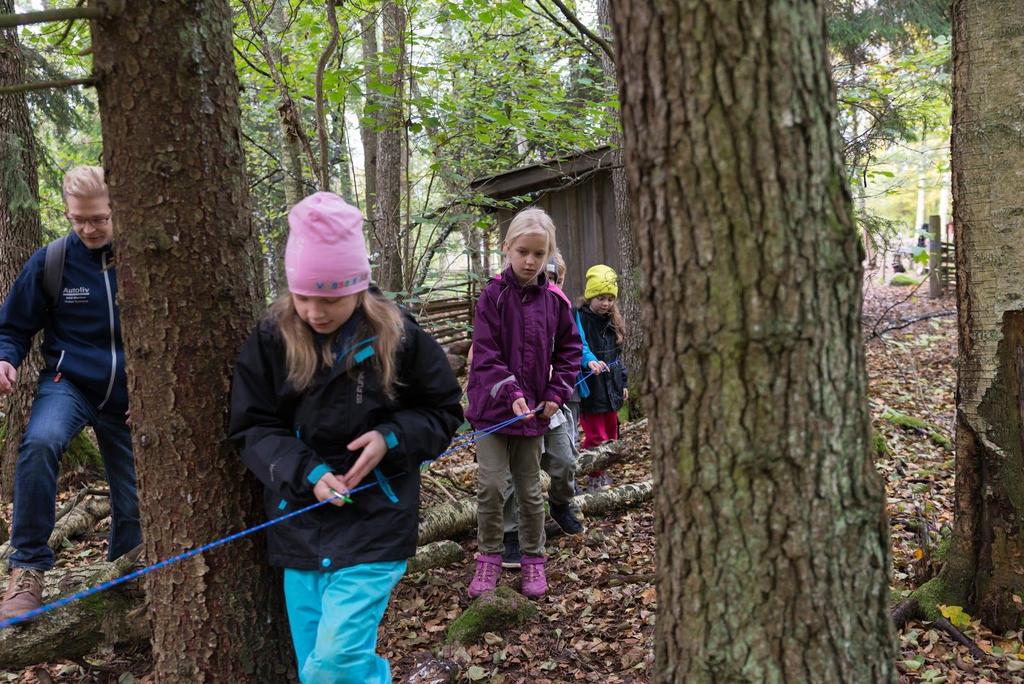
[(113, 345), (56, 378)]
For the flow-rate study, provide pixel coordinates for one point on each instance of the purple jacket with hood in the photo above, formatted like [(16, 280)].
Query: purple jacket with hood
[(525, 344)]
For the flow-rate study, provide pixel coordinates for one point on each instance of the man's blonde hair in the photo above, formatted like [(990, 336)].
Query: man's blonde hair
[(84, 182)]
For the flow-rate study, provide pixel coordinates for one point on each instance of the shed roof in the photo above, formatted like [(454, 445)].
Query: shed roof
[(550, 174)]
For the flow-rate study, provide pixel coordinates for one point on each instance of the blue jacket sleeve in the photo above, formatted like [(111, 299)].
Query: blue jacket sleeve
[(588, 355), (24, 311)]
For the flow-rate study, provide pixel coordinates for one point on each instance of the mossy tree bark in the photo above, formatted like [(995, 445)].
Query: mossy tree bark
[(20, 233), (189, 293), (983, 569), (773, 549)]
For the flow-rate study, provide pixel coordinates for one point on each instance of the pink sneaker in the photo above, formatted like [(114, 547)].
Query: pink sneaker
[(488, 569), (535, 584)]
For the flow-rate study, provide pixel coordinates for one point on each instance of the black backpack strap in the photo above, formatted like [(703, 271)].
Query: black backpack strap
[(53, 270)]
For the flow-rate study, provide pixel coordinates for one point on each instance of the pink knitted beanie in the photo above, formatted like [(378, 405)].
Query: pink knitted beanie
[(326, 255)]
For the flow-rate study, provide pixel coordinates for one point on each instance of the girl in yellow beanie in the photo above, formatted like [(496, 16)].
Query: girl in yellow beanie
[(602, 324)]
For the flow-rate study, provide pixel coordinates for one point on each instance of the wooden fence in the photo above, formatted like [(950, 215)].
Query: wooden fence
[(448, 315)]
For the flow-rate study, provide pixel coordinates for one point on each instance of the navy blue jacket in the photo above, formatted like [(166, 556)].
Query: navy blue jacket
[(82, 335), (607, 390), (289, 439)]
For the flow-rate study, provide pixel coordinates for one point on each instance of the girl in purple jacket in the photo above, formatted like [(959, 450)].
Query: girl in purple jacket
[(526, 353)]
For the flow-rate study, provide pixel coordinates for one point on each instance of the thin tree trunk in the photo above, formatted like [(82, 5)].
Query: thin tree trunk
[(188, 267), (388, 223), (983, 569), (629, 277), (370, 120), (291, 141), (20, 235), (344, 159), (773, 545)]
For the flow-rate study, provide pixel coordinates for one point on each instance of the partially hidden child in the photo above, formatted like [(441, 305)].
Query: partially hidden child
[(602, 323)]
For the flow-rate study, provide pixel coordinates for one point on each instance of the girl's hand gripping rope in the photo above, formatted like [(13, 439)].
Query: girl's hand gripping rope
[(547, 409), (331, 488), (520, 407)]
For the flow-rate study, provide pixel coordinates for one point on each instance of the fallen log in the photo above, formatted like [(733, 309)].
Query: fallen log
[(78, 629), (590, 460), (451, 520), (80, 519), (598, 458), (616, 499), (115, 616), (436, 555)]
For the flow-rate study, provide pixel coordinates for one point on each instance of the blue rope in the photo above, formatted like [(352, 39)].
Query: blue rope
[(110, 584)]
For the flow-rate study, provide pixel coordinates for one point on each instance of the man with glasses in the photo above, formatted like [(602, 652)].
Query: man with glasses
[(83, 383)]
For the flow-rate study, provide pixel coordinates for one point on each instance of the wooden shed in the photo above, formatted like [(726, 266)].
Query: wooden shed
[(577, 193)]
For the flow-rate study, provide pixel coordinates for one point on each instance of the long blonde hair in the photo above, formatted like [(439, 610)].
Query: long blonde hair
[(383, 320), (618, 322), (532, 221)]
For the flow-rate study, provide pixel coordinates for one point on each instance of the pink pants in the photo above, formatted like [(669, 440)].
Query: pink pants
[(599, 428)]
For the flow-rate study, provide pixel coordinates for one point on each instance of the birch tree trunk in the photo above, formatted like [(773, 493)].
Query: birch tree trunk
[(984, 569)]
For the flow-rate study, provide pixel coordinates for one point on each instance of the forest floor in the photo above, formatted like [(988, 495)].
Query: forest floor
[(597, 622)]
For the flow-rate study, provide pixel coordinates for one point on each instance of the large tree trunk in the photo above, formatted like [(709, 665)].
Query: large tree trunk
[(189, 291), (388, 224), (773, 549), (983, 569), (20, 235)]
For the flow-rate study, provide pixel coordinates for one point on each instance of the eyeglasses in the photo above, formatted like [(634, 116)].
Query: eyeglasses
[(94, 221)]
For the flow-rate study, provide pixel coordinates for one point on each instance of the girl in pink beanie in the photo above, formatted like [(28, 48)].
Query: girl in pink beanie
[(337, 388)]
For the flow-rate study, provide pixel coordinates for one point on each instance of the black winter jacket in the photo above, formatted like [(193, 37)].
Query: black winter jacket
[(606, 389), (288, 440)]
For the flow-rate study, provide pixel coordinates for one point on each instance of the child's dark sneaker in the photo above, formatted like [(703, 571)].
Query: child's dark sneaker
[(535, 582), (511, 557), (566, 519), (488, 569)]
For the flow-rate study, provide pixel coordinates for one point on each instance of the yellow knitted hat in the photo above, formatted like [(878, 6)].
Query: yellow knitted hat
[(601, 280)]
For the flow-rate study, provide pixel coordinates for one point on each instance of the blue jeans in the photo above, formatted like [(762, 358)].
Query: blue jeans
[(59, 413), (334, 618)]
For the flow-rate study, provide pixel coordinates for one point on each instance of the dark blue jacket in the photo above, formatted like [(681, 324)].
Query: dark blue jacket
[(606, 391), (82, 335)]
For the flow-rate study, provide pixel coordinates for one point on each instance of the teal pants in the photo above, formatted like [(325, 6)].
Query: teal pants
[(334, 618)]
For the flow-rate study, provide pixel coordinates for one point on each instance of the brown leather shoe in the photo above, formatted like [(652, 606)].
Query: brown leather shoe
[(24, 593)]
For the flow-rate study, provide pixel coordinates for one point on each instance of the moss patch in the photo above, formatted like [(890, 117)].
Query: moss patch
[(934, 432), (82, 453), (879, 447), (903, 280), (493, 612)]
